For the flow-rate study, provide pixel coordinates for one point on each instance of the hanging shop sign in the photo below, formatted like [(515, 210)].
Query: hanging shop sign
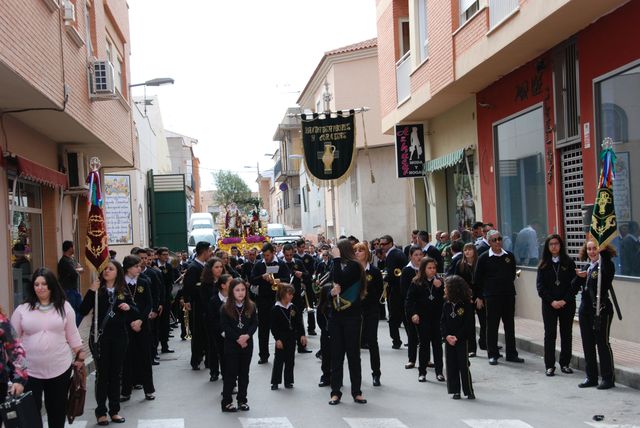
[(410, 158)]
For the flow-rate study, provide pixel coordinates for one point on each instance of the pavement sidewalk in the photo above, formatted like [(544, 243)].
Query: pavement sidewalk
[(626, 355)]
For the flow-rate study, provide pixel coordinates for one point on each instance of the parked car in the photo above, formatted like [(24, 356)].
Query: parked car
[(279, 235), (201, 234)]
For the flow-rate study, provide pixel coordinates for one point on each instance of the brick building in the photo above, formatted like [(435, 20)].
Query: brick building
[(64, 76), (526, 90)]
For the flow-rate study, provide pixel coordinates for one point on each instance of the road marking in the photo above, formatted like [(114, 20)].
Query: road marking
[(265, 423), (496, 423), (161, 423), (601, 425), (374, 423)]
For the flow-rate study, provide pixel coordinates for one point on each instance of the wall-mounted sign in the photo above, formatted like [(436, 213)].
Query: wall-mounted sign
[(117, 207), (410, 158)]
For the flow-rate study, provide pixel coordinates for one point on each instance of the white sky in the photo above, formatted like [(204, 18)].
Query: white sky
[(237, 65)]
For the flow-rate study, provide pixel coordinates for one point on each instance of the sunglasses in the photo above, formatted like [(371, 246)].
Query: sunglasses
[(498, 239)]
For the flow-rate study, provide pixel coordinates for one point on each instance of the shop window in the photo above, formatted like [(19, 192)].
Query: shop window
[(522, 199), (461, 209), (618, 117), (25, 203)]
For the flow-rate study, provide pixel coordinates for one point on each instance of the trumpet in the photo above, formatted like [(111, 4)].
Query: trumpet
[(275, 282), (310, 308), (185, 321)]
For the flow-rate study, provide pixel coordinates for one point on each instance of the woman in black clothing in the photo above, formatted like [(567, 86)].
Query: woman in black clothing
[(324, 311), (371, 309), (116, 313), (556, 272), (595, 329), (408, 274), (216, 302), (208, 287), (238, 322), (465, 267), (349, 287), (137, 367), (424, 308)]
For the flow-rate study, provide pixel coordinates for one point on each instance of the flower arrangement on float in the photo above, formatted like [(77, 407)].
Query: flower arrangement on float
[(241, 230)]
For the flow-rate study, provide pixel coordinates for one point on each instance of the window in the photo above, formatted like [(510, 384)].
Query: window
[(567, 107), (618, 117), (521, 172), (405, 38), (423, 30), (89, 28), (285, 199), (467, 9), (117, 67), (296, 199), (109, 51)]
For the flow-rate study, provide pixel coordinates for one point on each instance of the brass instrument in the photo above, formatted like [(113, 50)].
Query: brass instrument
[(310, 308), (185, 321), (275, 282)]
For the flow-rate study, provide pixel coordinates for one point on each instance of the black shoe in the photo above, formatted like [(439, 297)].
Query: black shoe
[(288, 385), (334, 401), (214, 378), (167, 351), (263, 361), (117, 419), (137, 387), (125, 398), (171, 336), (606, 384), (103, 422), (397, 345), (472, 354), (409, 365), (243, 406), (499, 347), (229, 408), (493, 361), (550, 371), (304, 351), (194, 367), (515, 360), (274, 387), (155, 363), (566, 369), (376, 380), (365, 346), (360, 400), (319, 355), (312, 333), (471, 397), (149, 397), (456, 396), (183, 338), (430, 364), (440, 378), (324, 383), (588, 383)]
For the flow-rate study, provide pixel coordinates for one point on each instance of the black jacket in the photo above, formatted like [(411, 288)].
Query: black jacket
[(394, 263), (169, 275), (140, 292), (461, 324), (495, 276), (191, 278), (118, 325), (347, 277), (229, 326), (156, 286), (265, 294), (467, 273), (589, 286), (215, 304), (419, 303), (548, 290), (371, 302), (286, 323), (436, 255)]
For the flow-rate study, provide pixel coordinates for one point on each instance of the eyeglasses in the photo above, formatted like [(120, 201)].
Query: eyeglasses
[(498, 239)]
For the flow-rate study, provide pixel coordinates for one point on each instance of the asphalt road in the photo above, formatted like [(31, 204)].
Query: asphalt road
[(508, 396)]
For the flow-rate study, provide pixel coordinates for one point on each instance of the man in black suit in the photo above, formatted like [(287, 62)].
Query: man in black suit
[(247, 266), (414, 241), (395, 260), (169, 275), (194, 305), (309, 263), (157, 297), (482, 245), (430, 250)]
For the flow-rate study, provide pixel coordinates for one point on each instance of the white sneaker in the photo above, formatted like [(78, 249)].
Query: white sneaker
[(422, 378)]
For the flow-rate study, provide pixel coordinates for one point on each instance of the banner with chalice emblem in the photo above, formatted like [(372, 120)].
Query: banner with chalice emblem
[(329, 145), (604, 227)]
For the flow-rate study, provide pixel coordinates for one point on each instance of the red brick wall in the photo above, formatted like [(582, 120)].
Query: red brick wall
[(30, 44), (473, 31)]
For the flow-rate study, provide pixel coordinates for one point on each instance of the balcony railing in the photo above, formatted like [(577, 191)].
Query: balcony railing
[(403, 82), (500, 9)]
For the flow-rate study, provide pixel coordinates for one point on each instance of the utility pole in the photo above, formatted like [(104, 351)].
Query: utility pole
[(326, 98)]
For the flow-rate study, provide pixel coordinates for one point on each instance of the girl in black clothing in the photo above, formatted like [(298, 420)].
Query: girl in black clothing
[(456, 325), (216, 302), (137, 367), (424, 309), (116, 312), (238, 322), (408, 274), (465, 267), (349, 288), (324, 311), (595, 329), (208, 287), (556, 272), (371, 309), (287, 330)]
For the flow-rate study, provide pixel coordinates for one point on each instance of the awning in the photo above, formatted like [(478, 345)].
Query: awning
[(35, 172), (445, 161)]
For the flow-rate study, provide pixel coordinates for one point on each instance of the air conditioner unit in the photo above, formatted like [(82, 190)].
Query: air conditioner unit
[(69, 12), (101, 80), (77, 170)]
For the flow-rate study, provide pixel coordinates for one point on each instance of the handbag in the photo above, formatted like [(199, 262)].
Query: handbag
[(77, 393), (20, 412)]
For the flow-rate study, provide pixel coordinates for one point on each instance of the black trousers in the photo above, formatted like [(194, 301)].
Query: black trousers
[(325, 349), (284, 357), (597, 338), (412, 339), (153, 336), (136, 368), (383, 311), (482, 340), (163, 326), (551, 317), (178, 312), (55, 392), (345, 339), (458, 368), (213, 356), (237, 363), (311, 315), (199, 346), (264, 310), (370, 337), (501, 308), (396, 317), (429, 334), (108, 370)]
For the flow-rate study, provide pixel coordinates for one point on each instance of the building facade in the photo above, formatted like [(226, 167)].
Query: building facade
[(56, 114), (543, 86)]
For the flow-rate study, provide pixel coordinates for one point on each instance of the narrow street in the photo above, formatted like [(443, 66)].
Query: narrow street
[(508, 396)]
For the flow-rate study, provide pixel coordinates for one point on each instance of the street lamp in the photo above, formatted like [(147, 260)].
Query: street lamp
[(158, 81)]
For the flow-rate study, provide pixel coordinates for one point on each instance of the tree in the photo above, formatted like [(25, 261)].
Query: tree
[(231, 188)]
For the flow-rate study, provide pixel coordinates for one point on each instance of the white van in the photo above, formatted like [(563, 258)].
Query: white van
[(201, 221)]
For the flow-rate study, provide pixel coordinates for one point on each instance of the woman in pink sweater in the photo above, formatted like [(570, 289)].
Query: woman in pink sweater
[(46, 325)]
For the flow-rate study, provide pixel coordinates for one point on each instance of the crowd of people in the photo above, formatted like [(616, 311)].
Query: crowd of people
[(220, 300)]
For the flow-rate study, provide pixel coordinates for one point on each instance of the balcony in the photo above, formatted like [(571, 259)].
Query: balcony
[(499, 10), (403, 81)]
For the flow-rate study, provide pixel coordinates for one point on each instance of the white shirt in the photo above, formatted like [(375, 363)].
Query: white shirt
[(501, 253), (222, 297), (199, 261), (426, 247), (555, 259), (283, 306), (130, 280), (411, 265)]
